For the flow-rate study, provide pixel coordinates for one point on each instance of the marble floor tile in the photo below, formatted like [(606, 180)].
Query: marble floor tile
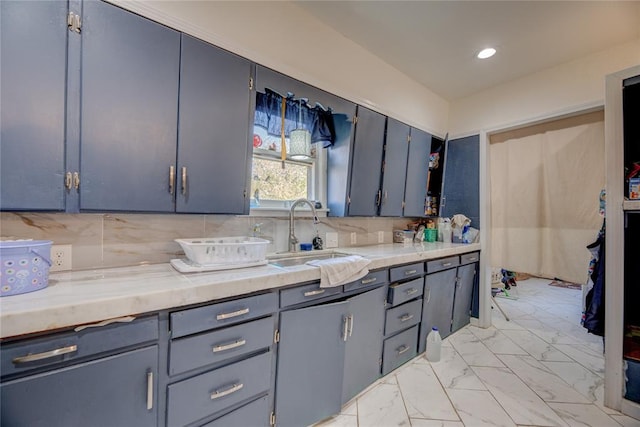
[(542, 380), (472, 350), (536, 347), (382, 406), (423, 395), (417, 422), (625, 421), (350, 408), (479, 408), (519, 401), (453, 371), (496, 341), (579, 378), (585, 356), (547, 334), (583, 415), (499, 322), (340, 420)]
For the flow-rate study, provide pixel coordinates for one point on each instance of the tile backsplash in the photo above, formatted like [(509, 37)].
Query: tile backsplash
[(115, 240)]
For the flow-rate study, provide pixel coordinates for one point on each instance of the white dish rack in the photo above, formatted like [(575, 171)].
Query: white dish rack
[(220, 253)]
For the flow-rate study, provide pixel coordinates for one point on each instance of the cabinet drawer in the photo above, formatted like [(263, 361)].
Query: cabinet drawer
[(442, 264), (403, 316), (399, 349), (304, 293), (200, 319), (30, 354), (402, 292), (406, 271), (372, 279), (213, 347), (198, 397), (469, 258), (254, 414)]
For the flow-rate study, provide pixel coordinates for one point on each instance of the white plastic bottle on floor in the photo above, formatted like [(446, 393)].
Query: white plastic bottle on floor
[(434, 343)]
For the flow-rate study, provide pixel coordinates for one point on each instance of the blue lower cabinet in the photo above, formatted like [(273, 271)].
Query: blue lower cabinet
[(399, 349), (254, 414), (119, 390)]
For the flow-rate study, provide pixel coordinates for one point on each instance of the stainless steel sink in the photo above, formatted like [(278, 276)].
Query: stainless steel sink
[(290, 260)]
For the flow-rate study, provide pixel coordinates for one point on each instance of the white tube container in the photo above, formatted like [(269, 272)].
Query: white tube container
[(434, 345)]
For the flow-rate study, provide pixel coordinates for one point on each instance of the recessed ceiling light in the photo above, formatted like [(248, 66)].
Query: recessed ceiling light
[(486, 53)]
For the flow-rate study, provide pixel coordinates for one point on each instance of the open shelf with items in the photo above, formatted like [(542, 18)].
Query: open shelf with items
[(434, 179), (631, 130)]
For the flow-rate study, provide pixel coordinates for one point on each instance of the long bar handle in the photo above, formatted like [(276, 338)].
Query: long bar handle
[(45, 355), (149, 390), (218, 394), (312, 293), (406, 317), (411, 291), (403, 349), (172, 179), (230, 346), (76, 180), (446, 264), (429, 295), (68, 180), (345, 328), (378, 197), (184, 181), (409, 272), (350, 324), (367, 281), (475, 258), (224, 316)]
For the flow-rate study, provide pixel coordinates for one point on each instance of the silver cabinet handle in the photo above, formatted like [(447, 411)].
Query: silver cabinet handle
[(473, 259), (446, 264), (403, 349), (149, 390), (68, 180), (172, 178), (224, 347), (384, 198), (345, 328), (378, 197), (46, 354), (367, 281), (406, 317), (184, 181), (350, 324), (76, 180), (408, 272), (429, 295), (312, 293), (218, 394), (411, 291), (232, 314)]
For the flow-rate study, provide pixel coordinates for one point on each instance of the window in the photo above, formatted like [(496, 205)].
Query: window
[(276, 182)]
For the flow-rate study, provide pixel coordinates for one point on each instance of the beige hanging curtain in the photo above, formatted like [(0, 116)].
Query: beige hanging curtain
[(545, 184)]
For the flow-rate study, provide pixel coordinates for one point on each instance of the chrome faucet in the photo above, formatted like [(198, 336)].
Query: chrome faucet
[(293, 240)]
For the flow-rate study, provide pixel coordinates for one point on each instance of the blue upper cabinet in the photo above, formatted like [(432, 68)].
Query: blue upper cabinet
[(32, 104), (396, 147), (213, 145), (461, 185), (129, 115), (417, 173), (366, 164)]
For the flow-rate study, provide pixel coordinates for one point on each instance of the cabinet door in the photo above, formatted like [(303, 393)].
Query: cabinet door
[(113, 391), (461, 190), (366, 166), (364, 347), (437, 306), (32, 104), (415, 192), (213, 145), (463, 297), (130, 71), (396, 147), (310, 363)]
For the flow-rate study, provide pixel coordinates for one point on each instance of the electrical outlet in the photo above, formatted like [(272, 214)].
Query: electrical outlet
[(331, 240), (354, 240), (60, 257), (380, 236)]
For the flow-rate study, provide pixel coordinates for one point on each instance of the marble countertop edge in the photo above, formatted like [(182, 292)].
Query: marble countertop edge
[(89, 296)]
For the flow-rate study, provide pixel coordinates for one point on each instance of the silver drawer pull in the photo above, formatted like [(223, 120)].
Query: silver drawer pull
[(447, 264), (229, 346), (403, 349), (406, 317), (406, 273), (411, 291), (149, 391), (218, 394), (367, 281), (46, 354), (312, 293), (473, 259), (232, 314)]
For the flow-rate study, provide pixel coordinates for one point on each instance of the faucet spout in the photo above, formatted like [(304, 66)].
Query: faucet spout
[(293, 240)]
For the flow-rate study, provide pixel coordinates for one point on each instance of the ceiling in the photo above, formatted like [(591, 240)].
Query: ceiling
[(435, 42)]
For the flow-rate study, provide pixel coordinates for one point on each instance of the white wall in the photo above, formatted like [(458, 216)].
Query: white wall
[(282, 36), (572, 86)]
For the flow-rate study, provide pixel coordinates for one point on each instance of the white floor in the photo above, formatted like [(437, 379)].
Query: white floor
[(541, 368)]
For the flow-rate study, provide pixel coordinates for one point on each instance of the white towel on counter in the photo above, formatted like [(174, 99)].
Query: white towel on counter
[(338, 271)]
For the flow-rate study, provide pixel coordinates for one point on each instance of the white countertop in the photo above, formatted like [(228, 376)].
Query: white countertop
[(89, 296)]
